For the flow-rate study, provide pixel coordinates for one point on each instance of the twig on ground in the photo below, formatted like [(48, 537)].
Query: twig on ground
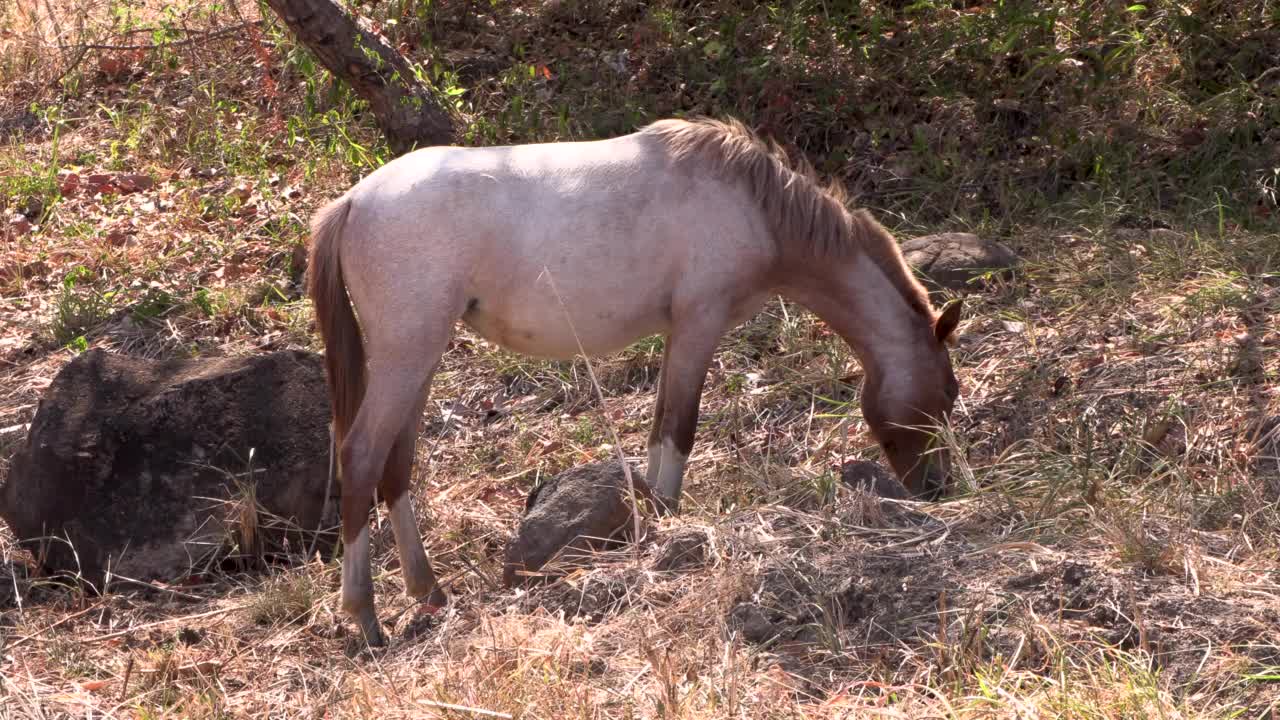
[(166, 621), (203, 36), (153, 586), (70, 66), (465, 709), (27, 638), (124, 684)]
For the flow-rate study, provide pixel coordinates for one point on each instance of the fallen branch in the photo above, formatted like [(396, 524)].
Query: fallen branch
[(158, 623), (83, 49), (203, 36), (465, 709), (39, 633)]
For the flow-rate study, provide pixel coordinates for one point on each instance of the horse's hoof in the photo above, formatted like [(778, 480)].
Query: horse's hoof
[(432, 604), (361, 643), (432, 594), (666, 507), (373, 635)]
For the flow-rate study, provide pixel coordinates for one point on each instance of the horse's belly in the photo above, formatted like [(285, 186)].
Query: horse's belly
[(546, 331)]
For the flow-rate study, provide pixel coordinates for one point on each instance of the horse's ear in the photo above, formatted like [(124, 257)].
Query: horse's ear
[(947, 321)]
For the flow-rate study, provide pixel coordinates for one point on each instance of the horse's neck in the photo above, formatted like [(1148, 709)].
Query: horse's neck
[(863, 306)]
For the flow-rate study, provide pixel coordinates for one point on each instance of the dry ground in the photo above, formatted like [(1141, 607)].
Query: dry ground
[(1110, 550)]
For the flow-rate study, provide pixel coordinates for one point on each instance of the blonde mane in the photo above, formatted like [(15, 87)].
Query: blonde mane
[(799, 209)]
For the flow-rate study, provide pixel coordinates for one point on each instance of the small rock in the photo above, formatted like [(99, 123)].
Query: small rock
[(754, 623), (33, 208), (132, 183), (581, 509), (686, 549), (873, 478), (1015, 327), (953, 260), (69, 183), (19, 224), (99, 183), (1266, 446), (20, 124)]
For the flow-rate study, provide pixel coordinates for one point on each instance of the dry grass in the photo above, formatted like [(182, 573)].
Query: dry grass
[(1111, 551)]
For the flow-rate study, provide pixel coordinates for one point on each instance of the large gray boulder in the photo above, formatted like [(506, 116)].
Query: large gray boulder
[(143, 467), (955, 260)]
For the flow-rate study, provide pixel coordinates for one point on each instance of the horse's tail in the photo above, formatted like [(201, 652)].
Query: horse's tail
[(343, 346)]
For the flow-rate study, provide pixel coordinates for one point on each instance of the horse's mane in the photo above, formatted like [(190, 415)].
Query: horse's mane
[(798, 208)]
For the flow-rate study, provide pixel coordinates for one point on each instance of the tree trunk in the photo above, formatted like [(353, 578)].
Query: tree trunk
[(405, 108)]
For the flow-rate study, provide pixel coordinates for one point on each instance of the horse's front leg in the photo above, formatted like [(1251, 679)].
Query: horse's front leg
[(689, 350), (655, 429)]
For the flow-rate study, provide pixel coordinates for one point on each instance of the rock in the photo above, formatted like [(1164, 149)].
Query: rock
[(581, 509), (952, 260), (23, 123), (873, 478), (1266, 443), (754, 623), (1265, 439), (133, 461), (19, 224), (685, 549)]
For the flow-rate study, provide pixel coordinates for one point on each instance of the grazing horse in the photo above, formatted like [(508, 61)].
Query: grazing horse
[(684, 228)]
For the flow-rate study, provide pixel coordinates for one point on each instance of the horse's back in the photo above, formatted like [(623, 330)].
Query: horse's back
[(522, 198), (617, 227), (570, 165)]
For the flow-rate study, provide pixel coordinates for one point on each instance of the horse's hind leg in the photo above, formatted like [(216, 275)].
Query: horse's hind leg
[(392, 399), (415, 568)]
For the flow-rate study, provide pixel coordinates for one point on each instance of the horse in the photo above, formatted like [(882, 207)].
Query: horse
[(684, 228)]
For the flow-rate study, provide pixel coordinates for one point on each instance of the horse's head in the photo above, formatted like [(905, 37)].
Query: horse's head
[(905, 404)]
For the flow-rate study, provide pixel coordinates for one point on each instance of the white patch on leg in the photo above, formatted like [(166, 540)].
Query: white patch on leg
[(655, 463), (670, 471), (414, 566), (357, 580), (357, 588)]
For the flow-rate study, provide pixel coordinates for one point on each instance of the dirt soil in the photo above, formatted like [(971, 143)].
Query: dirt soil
[(900, 583)]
